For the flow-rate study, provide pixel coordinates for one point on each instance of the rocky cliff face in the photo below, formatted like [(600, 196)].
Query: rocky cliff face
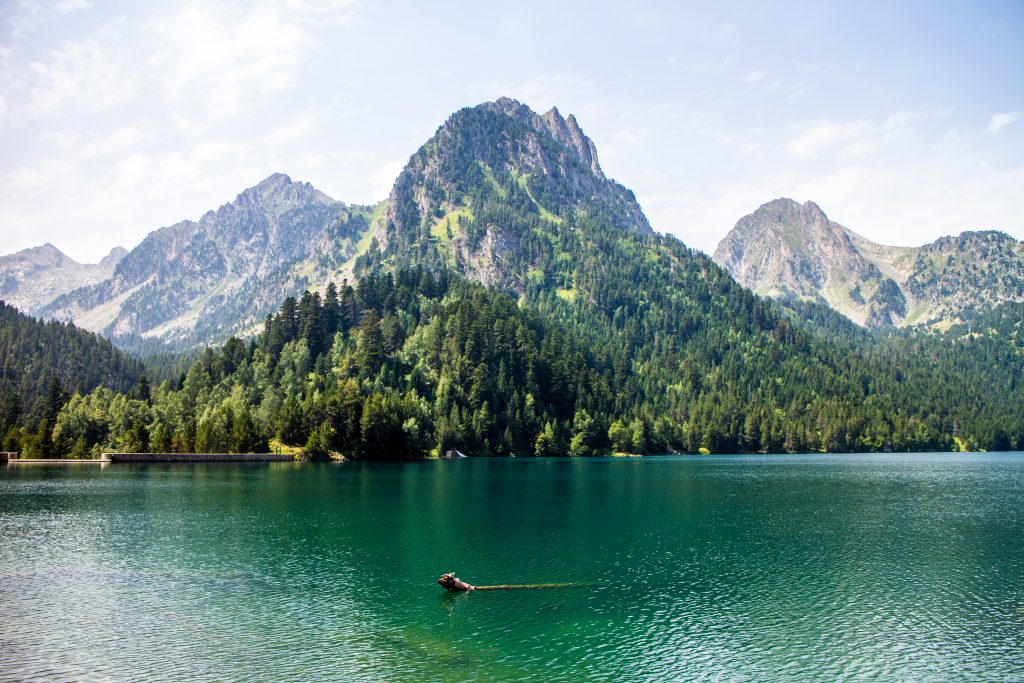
[(786, 249), (466, 196), (199, 281), (32, 278)]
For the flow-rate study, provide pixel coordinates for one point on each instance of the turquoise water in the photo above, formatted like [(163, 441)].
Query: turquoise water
[(802, 568)]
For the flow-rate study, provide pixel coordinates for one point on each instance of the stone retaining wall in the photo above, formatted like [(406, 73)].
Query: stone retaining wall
[(198, 457)]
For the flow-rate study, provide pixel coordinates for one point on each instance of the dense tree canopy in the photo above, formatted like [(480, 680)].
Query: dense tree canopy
[(41, 364), (406, 364)]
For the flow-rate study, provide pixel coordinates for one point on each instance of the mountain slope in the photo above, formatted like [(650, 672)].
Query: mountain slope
[(789, 250), (200, 281), (32, 278), (496, 183)]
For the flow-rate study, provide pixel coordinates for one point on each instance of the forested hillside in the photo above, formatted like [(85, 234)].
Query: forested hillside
[(44, 363), (414, 363), (514, 301)]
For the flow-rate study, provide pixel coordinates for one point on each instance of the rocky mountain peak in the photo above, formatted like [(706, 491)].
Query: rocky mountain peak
[(33, 277), (279, 193), (783, 210), (472, 192), (44, 255), (565, 131), (273, 181), (812, 209), (787, 249), (510, 107), (114, 257)]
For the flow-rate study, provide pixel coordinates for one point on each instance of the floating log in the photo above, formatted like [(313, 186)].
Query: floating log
[(452, 583)]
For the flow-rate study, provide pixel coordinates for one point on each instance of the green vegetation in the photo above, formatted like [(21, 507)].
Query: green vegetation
[(41, 365), (596, 336), (411, 363)]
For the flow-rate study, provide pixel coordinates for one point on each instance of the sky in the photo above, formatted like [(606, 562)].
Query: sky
[(903, 120)]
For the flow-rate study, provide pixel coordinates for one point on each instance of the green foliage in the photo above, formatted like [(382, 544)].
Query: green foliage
[(318, 445), (413, 362), (41, 363), (137, 438)]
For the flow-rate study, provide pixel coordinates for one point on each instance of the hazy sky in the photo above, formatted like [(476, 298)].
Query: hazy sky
[(903, 120)]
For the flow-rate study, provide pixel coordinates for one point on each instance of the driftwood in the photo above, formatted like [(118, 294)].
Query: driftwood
[(452, 583)]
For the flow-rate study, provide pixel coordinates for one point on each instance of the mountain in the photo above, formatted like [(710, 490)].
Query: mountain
[(492, 188), (790, 250), (32, 278), (512, 300), (198, 282)]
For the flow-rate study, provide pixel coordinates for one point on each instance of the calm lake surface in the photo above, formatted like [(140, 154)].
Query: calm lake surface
[(895, 567)]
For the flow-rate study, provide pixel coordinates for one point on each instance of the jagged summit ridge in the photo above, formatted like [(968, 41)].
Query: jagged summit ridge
[(462, 199), (566, 132)]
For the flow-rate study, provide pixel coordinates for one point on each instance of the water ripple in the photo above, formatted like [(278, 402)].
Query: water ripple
[(749, 568)]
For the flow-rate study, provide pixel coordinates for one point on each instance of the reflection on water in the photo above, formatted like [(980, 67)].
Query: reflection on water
[(759, 567)]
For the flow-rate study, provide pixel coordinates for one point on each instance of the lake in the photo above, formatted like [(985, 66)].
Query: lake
[(783, 568)]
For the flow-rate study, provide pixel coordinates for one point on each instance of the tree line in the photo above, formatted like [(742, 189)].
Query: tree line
[(417, 362)]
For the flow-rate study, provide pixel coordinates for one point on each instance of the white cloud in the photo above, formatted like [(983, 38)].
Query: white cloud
[(221, 54), (725, 33), (146, 119), (753, 76), (1001, 120), (68, 6), (117, 200), (81, 76), (335, 12), (815, 67), (733, 146), (119, 141), (188, 126), (41, 177), (901, 121), (708, 67), (296, 129), (24, 16), (951, 137), (822, 136), (849, 139)]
